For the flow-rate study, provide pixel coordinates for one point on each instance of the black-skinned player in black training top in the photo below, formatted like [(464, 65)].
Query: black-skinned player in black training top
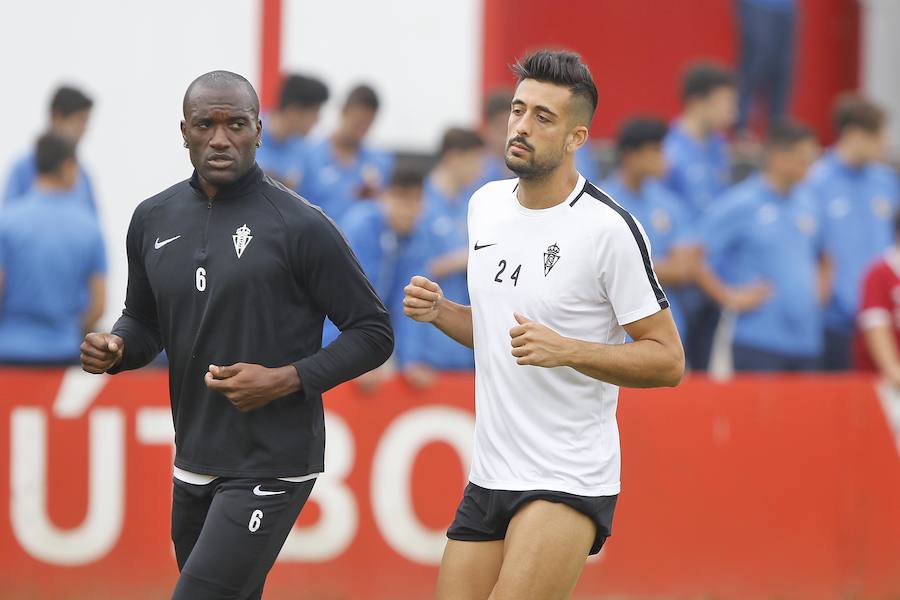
[(233, 275)]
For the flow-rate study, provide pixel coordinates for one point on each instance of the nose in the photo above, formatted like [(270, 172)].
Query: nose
[(219, 140)]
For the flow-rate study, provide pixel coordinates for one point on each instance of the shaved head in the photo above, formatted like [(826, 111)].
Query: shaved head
[(221, 81)]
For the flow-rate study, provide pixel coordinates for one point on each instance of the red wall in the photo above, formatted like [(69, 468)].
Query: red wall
[(769, 487), (637, 49)]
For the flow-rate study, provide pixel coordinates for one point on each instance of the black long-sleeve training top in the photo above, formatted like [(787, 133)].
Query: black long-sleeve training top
[(247, 277)]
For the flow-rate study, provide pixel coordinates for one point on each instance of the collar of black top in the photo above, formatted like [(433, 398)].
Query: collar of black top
[(240, 187)]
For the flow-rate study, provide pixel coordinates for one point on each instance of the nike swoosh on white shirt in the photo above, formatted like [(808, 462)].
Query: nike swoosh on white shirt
[(160, 244), (258, 492)]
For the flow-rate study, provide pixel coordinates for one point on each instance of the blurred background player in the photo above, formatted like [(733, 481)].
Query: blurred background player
[(762, 240), (52, 263), (447, 192), (493, 131), (287, 128), (70, 110), (698, 172), (342, 168), (857, 195), (636, 187), (876, 343), (387, 237), (767, 31)]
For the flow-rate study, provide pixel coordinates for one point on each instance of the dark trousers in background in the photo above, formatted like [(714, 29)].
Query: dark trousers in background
[(837, 350), (701, 317), (766, 59), (748, 358)]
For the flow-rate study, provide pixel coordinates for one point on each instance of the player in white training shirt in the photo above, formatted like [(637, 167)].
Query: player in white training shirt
[(558, 275)]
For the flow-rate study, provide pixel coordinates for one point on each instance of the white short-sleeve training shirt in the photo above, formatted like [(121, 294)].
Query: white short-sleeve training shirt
[(583, 269)]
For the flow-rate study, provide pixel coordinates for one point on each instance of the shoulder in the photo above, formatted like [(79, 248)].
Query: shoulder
[(492, 190), (170, 194), (295, 210), (24, 163), (821, 170), (597, 210), (883, 175)]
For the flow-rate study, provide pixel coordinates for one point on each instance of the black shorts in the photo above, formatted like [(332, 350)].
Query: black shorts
[(228, 533), (484, 515)]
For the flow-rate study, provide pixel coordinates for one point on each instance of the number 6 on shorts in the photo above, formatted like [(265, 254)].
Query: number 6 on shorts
[(255, 520)]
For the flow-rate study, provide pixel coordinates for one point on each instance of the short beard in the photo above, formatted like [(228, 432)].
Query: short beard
[(534, 170)]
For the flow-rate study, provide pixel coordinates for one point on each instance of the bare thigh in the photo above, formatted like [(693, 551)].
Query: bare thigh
[(545, 549), (469, 570)]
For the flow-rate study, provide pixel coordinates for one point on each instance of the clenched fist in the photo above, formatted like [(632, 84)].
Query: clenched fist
[(101, 352), (422, 301)]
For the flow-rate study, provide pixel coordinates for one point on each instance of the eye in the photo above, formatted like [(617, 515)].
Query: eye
[(517, 111), (238, 124), (543, 119), (201, 124)]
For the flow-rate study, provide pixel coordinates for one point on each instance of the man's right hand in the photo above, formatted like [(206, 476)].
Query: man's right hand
[(422, 301), (747, 297), (101, 352)]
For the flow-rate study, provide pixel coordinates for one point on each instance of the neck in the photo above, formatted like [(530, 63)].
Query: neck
[(344, 143), (631, 179), (549, 190), (780, 183), (694, 125), (49, 184), (209, 189), (444, 181), (848, 154)]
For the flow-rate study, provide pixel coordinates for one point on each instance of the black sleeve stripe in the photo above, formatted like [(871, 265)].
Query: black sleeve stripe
[(594, 192)]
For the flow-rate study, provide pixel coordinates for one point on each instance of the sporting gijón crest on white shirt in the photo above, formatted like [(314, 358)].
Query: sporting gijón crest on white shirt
[(583, 269), (242, 239)]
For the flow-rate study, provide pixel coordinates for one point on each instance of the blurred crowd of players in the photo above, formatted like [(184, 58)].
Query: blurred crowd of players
[(796, 260)]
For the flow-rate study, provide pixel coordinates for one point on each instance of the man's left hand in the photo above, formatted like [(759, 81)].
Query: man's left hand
[(538, 345), (250, 386)]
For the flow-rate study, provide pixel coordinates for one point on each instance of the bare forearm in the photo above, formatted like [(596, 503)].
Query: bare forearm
[(455, 320), (883, 348), (640, 364)]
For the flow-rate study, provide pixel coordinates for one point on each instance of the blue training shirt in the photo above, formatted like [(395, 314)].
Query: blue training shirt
[(50, 248), (664, 220), (699, 171), (445, 221), (757, 234), (336, 186), (24, 173), (389, 261), (857, 205)]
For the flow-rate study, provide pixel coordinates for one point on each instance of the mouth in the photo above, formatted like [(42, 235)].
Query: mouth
[(518, 146), (220, 161)]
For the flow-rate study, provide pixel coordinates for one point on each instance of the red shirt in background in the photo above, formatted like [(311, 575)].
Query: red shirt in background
[(880, 306)]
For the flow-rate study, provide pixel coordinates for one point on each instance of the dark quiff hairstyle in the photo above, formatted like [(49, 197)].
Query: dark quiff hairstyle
[(52, 150), (560, 67), (851, 110)]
